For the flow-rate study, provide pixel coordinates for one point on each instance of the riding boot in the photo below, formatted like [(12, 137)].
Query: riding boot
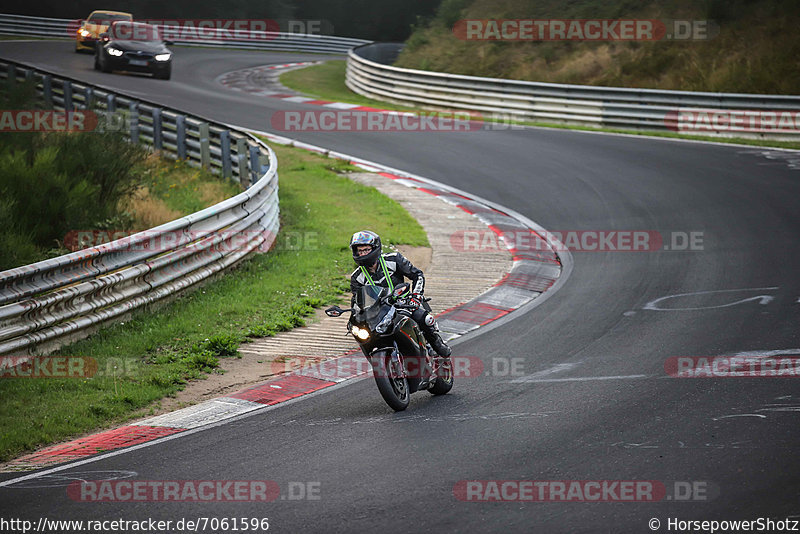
[(438, 344)]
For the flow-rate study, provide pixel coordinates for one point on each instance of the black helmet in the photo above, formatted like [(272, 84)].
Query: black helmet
[(365, 237)]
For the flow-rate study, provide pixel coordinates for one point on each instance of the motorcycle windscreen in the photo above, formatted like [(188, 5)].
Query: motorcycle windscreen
[(367, 300)]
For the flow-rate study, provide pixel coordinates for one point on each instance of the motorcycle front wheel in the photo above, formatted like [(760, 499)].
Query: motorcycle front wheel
[(391, 382)]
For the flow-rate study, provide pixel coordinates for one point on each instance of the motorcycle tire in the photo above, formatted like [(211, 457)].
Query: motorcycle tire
[(393, 390), (444, 382)]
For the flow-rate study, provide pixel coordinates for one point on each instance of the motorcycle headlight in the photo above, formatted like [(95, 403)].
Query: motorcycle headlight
[(360, 333), (163, 57), (384, 325), (114, 51)]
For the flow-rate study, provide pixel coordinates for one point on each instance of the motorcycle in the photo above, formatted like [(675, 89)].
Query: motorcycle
[(402, 360)]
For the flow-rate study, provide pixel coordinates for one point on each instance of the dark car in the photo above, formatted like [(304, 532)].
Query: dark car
[(134, 47)]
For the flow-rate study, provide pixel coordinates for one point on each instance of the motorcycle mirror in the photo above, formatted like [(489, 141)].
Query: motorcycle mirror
[(333, 311), (400, 290)]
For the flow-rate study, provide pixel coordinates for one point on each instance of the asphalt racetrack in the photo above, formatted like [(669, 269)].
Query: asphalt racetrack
[(591, 398)]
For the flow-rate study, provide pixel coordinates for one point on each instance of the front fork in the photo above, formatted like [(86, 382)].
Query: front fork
[(396, 367), (425, 371)]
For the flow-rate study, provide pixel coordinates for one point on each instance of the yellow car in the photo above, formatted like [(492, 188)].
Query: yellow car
[(97, 23)]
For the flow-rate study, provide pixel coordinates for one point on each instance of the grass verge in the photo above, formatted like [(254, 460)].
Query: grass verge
[(170, 189), (326, 82), (157, 352)]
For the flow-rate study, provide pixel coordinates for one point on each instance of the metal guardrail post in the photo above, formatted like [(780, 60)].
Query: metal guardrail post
[(255, 164), (205, 146), (111, 103), (241, 157), (47, 90), (134, 116), (11, 75), (28, 75), (225, 149), (180, 136), (157, 137), (88, 98), (67, 95)]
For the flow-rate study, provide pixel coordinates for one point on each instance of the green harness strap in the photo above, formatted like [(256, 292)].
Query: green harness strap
[(385, 273)]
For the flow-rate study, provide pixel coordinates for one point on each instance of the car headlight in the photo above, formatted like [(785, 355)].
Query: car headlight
[(84, 33), (114, 51), (162, 57), (360, 333)]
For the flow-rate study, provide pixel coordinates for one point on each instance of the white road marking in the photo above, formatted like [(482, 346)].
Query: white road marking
[(739, 415), (557, 368), (781, 409), (763, 299), (584, 378), (767, 353)]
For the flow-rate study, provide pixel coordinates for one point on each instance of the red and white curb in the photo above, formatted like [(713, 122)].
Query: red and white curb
[(274, 391), (532, 274), (242, 80)]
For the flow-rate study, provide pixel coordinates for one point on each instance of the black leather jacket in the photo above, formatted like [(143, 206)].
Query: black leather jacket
[(399, 268)]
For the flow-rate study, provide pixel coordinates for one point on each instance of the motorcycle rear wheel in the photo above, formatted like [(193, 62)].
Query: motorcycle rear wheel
[(444, 382)]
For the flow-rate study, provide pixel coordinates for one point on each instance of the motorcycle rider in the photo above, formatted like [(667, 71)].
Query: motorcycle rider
[(388, 270)]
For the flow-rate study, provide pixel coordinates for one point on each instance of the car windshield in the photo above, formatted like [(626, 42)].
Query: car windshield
[(134, 31), (107, 18)]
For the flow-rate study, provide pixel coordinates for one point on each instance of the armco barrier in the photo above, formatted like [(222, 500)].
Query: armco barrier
[(370, 73), (22, 25), (45, 303)]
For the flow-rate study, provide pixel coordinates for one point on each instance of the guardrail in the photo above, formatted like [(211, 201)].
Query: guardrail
[(370, 73), (23, 25), (49, 302)]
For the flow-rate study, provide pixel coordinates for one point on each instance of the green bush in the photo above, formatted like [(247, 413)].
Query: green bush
[(16, 247), (222, 345), (51, 183)]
